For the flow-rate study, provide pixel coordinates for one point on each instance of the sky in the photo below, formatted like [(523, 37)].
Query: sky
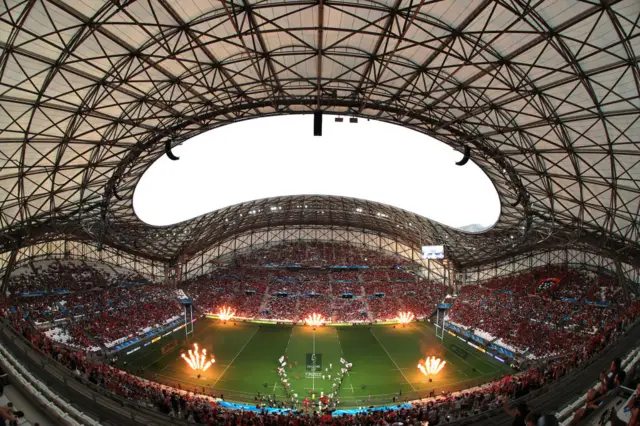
[(279, 156)]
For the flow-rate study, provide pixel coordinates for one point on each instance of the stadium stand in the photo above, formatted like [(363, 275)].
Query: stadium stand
[(446, 408), (510, 311)]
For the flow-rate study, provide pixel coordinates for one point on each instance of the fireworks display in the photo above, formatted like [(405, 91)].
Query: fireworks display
[(431, 366), (225, 313), (405, 317), (314, 320), (197, 359)]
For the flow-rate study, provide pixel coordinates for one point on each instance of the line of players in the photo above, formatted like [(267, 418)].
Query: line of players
[(324, 402)]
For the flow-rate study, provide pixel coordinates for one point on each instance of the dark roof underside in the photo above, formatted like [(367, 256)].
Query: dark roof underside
[(547, 98)]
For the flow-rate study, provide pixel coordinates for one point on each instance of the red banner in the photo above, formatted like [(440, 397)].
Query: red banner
[(547, 284)]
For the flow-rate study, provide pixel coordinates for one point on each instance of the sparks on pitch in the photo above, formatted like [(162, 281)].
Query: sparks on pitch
[(225, 313), (197, 359), (314, 320), (405, 317), (431, 366)]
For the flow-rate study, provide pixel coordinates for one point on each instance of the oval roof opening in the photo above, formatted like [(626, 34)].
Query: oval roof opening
[(279, 156)]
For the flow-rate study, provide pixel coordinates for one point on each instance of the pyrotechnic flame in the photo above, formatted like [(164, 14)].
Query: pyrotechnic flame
[(225, 313), (314, 320), (405, 317), (431, 366), (197, 360)]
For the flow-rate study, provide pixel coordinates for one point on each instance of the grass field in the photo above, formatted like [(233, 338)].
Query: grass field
[(384, 361)]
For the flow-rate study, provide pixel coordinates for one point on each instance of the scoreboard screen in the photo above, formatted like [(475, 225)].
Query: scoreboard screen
[(433, 252)]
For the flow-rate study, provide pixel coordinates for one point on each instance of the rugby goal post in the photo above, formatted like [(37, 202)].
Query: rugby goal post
[(441, 314), (188, 316)]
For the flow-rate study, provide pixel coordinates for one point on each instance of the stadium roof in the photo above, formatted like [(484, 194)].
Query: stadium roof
[(545, 95)]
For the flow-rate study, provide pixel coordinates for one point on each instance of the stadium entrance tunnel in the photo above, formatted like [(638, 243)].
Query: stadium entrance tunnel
[(279, 156)]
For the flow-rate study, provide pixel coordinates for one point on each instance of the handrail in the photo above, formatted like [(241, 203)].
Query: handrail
[(51, 403), (79, 389)]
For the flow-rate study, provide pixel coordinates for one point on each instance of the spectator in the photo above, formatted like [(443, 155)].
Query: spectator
[(519, 413), (6, 415), (634, 408), (615, 377)]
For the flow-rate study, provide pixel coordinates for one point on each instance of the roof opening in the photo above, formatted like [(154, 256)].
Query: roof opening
[(279, 156)]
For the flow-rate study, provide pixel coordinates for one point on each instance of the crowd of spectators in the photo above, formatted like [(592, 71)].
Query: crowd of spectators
[(211, 294), (280, 308), (372, 275), (24, 279), (318, 254), (345, 276), (383, 308), (399, 275), (349, 310), (339, 289), (509, 310), (540, 323), (71, 275), (422, 297), (308, 305), (99, 316), (200, 408)]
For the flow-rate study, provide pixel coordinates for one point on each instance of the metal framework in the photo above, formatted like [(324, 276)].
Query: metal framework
[(579, 259), (545, 95), (223, 252), (66, 249)]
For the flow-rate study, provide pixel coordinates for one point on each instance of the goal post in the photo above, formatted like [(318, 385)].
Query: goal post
[(188, 318), (441, 314)]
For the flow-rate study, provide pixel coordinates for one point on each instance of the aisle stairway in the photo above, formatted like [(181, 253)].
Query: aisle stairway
[(295, 310), (265, 300), (366, 307)]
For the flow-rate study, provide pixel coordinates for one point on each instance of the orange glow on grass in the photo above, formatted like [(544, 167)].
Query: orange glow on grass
[(197, 359), (431, 366)]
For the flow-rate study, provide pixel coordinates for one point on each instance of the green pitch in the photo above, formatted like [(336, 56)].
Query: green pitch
[(384, 361)]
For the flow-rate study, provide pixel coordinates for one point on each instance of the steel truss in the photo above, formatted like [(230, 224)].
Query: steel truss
[(223, 252), (75, 250), (547, 98), (578, 259)]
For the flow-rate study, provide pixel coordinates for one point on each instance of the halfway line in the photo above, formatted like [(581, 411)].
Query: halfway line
[(313, 375)]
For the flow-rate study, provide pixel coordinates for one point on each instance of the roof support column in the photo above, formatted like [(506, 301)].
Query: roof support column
[(622, 281), (4, 286), (450, 274), (173, 272)]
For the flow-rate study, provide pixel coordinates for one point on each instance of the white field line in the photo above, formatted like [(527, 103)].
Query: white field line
[(463, 373), (313, 377), (392, 360), (234, 358), (342, 353), (167, 354), (462, 359), (475, 354), (289, 341)]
